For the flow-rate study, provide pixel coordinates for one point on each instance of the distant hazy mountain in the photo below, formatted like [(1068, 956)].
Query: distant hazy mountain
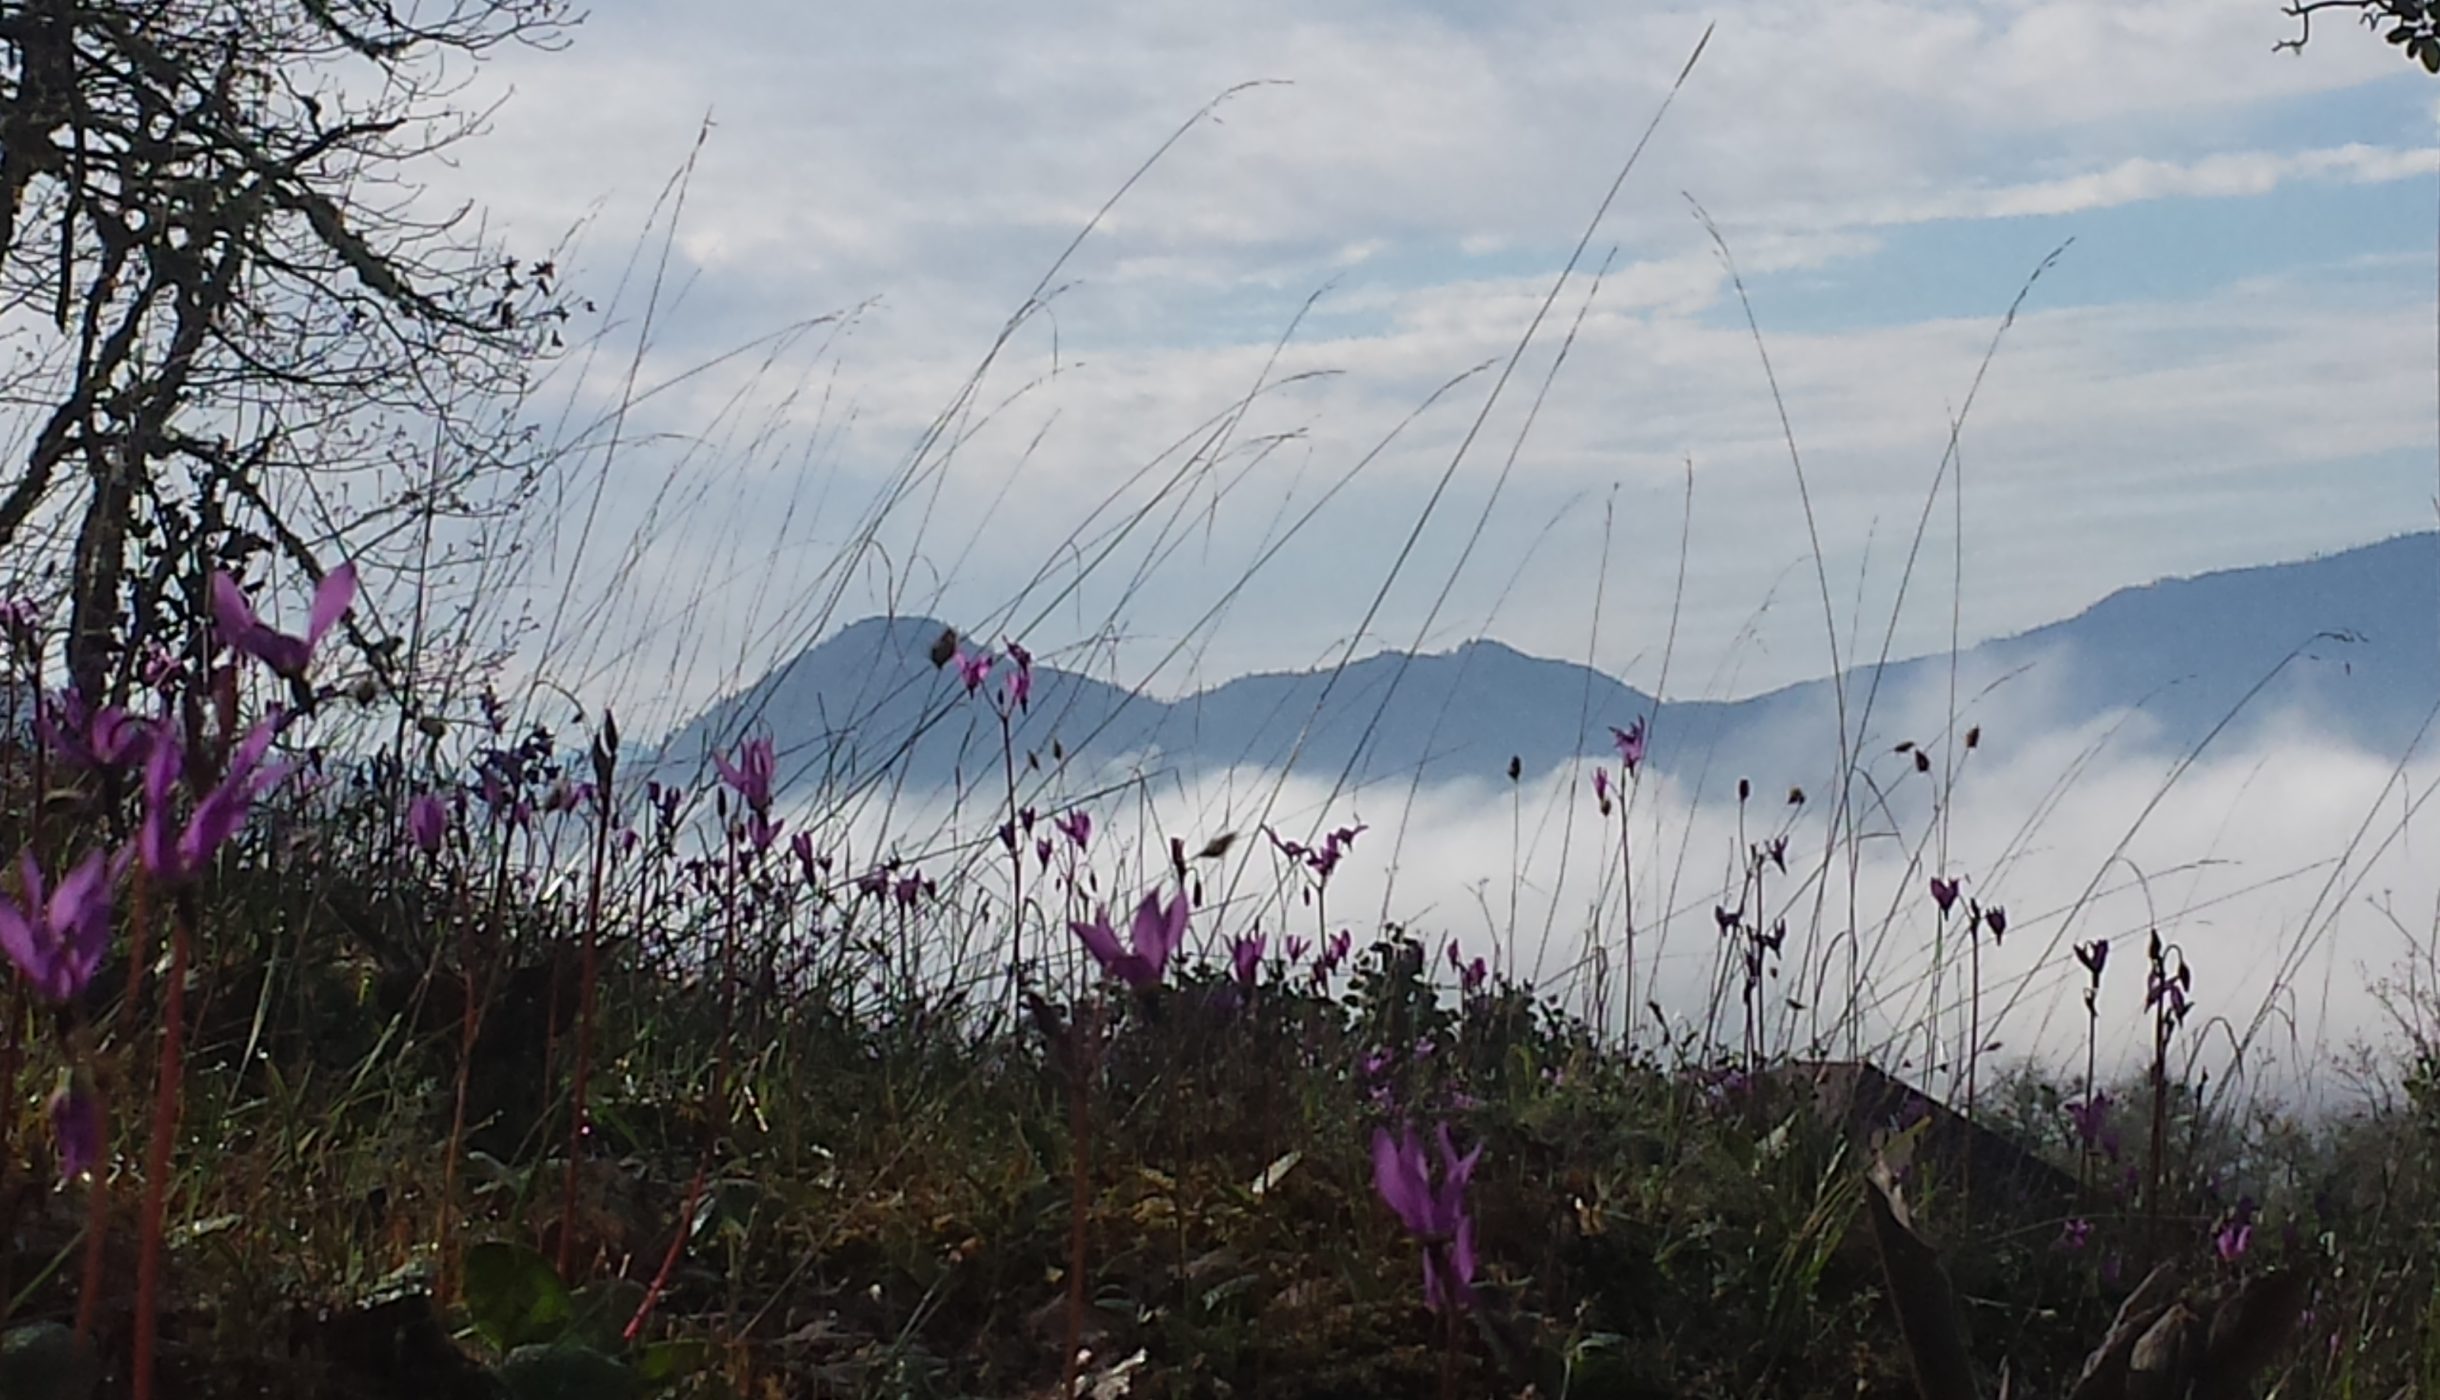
[(2179, 654)]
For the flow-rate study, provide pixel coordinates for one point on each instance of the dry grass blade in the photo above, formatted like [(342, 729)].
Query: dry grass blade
[(2105, 1371), (1919, 1292)]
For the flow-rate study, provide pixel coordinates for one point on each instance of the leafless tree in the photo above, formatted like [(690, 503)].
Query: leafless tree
[(230, 324), (2412, 25)]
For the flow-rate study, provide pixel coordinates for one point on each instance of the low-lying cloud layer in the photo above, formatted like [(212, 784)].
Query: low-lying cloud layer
[(2287, 870)]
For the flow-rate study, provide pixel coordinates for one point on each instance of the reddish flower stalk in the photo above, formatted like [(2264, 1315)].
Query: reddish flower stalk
[(97, 1204), (166, 1096), (469, 1026), (669, 1259)]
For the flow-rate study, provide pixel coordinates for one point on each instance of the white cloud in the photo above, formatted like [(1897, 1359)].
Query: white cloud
[(1436, 164), (2249, 866)]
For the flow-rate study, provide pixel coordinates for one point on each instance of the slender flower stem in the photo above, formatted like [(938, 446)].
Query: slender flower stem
[(470, 1023), (1016, 865), (588, 974), (1626, 880), (12, 1030), (669, 1259), (166, 1096), (1973, 927), (1448, 1349), (1087, 1034), (1973, 1010), (2092, 1052), (97, 1205)]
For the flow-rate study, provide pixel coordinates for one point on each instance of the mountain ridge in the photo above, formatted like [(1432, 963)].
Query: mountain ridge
[(2350, 641)]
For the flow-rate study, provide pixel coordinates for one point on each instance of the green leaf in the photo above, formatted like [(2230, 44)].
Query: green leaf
[(514, 1297), (566, 1371), (663, 1362), (601, 1312), (44, 1361)]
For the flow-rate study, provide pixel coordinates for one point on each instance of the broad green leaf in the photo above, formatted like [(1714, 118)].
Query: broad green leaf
[(602, 1311), (663, 1362), (514, 1297)]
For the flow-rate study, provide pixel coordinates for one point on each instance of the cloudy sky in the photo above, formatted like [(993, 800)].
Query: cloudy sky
[(2233, 363)]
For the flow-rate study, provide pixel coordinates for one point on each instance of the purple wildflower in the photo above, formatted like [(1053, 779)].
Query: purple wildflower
[(2169, 990), (162, 668), (76, 1126), (1245, 959), (1017, 688), (1156, 932), (1630, 742), (566, 796), (1333, 954), (1944, 894), (287, 655), (175, 853), (1076, 826), (1434, 1212), (58, 942), (2235, 1234), (427, 822), (1293, 850), (1473, 975), (2094, 956), (750, 776), (21, 622), (2074, 1234), (1334, 848), (973, 668), (107, 738)]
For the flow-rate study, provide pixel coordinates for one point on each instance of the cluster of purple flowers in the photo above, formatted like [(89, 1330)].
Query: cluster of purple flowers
[(1322, 860), (1016, 687), (1432, 1207), (1155, 934), (1471, 974), (57, 934)]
